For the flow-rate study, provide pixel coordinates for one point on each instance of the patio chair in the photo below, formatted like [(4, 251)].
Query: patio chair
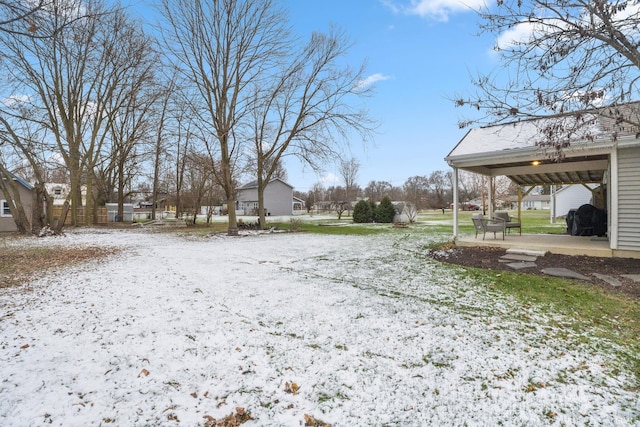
[(485, 225), (509, 221)]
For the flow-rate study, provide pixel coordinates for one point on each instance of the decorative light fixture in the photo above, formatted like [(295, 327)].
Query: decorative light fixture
[(536, 163)]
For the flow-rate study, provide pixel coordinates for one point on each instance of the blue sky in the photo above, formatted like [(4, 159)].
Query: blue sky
[(424, 52), (423, 59)]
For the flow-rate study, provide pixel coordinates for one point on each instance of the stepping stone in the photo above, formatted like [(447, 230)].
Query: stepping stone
[(634, 277), (609, 279), (530, 252), (521, 265), (519, 257), (564, 272)]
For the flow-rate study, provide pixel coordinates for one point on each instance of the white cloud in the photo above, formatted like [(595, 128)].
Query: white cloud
[(521, 33), (13, 100), (625, 20), (439, 10), (372, 79), (330, 178)]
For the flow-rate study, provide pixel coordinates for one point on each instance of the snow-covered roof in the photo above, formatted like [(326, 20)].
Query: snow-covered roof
[(523, 135), (515, 149), (586, 130)]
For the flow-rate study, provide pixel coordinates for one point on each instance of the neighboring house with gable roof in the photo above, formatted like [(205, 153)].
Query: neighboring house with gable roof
[(606, 153), (25, 189), (278, 198), (571, 197)]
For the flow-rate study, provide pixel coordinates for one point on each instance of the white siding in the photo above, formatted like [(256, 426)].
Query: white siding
[(629, 199), (572, 197), (278, 198)]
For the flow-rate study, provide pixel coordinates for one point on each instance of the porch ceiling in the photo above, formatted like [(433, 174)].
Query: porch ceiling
[(574, 170)]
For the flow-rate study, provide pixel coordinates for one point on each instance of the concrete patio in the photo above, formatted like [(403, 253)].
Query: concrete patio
[(554, 243)]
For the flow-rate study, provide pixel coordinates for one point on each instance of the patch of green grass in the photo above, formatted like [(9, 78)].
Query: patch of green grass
[(428, 222), (532, 221), (576, 307), (337, 228)]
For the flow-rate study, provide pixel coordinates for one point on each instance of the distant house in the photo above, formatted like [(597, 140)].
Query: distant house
[(299, 205), (278, 198), (26, 197), (60, 191), (571, 197), (530, 202)]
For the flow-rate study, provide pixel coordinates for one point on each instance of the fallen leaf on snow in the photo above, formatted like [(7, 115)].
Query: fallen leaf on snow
[(291, 388), (310, 421)]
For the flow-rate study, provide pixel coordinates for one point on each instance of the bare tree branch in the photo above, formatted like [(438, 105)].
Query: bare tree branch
[(559, 59)]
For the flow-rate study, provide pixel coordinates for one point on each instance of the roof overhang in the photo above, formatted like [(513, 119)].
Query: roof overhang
[(582, 163)]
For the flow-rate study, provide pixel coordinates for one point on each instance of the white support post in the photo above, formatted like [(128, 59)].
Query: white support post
[(490, 198), (552, 208), (612, 195), (455, 204)]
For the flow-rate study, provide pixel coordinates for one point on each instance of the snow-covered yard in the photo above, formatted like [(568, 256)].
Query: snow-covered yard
[(177, 330)]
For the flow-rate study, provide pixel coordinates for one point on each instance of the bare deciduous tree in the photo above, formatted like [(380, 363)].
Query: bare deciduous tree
[(305, 108), (349, 170), (440, 183), (376, 190), (23, 18), (22, 143), (131, 113), (69, 82), (222, 48), (562, 57), (416, 191)]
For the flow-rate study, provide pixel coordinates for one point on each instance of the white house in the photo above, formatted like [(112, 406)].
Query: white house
[(530, 202), (278, 198), (59, 192), (571, 197), (604, 153)]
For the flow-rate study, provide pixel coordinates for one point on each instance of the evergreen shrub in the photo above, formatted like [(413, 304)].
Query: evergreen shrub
[(385, 212), (362, 212)]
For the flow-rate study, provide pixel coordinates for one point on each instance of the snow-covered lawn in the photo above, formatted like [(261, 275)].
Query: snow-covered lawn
[(176, 328)]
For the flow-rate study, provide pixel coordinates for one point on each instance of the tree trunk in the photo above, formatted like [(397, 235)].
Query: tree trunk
[(12, 195), (262, 217), (40, 213), (89, 202), (63, 217), (121, 184)]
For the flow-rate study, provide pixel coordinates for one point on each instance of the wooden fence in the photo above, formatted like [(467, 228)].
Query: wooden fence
[(100, 215)]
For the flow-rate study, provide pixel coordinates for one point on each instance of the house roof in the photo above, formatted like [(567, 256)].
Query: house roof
[(254, 184), (510, 149), (22, 181)]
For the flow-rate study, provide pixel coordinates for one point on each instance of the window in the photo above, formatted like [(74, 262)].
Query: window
[(4, 209), (57, 191)]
